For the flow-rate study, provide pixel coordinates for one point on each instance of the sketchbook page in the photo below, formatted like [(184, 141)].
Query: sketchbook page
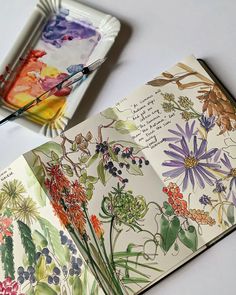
[(37, 254), (107, 194), (131, 222), (188, 126)]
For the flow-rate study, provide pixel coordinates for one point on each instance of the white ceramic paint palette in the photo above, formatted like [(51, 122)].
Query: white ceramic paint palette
[(59, 37)]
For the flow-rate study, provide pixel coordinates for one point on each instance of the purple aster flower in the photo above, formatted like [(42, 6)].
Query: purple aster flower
[(207, 122), (231, 174), (178, 134), (219, 187), (205, 200), (192, 164)]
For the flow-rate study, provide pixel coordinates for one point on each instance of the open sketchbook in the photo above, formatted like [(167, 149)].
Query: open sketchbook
[(121, 200)]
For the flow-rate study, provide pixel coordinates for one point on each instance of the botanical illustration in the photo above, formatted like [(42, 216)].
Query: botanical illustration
[(64, 46), (192, 160), (133, 212), (215, 105), (36, 256), (89, 178)]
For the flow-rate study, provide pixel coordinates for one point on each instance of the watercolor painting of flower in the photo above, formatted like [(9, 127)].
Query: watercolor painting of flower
[(26, 211), (207, 122), (187, 133), (230, 174), (12, 192), (5, 228), (9, 287), (191, 163)]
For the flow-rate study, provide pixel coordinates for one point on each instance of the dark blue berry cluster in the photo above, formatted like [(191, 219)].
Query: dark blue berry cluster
[(26, 274), (55, 277), (75, 267), (126, 153), (45, 252), (102, 147), (67, 242)]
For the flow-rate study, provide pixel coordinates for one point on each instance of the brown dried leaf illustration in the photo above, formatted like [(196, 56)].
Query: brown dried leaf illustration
[(215, 103), (158, 82), (167, 75)]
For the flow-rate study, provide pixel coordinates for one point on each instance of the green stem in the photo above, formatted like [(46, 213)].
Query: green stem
[(90, 256), (111, 246), (92, 231), (71, 230), (178, 106), (111, 273), (116, 238), (116, 282)]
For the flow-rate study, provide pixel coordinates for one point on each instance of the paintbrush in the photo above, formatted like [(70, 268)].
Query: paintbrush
[(67, 82)]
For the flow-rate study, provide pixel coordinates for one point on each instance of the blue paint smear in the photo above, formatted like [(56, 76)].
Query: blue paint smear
[(75, 68), (59, 30)]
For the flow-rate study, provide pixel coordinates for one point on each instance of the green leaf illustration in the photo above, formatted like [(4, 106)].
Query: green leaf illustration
[(53, 238), (48, 147), (8, 258), (92, 159), (92, 179), (110, 113), (85, 281), (41, 269), (131, 269), (67, 169), (125, 127), (133, 169), (230, 214), (95, 288), (84, 159), (98, 259), (169, 232), (168, 209), (118, 255), (54, 156), (112, 154), (37, 184), (189, 237), (30, 291), (74, 146), (77, 287), (89, 194), (27, 241), (142, 265), (45, 289), (39, 239), (133, 280), (101, 172)]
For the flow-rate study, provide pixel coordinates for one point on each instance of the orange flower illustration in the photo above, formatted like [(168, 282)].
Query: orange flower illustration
[(97, 226)]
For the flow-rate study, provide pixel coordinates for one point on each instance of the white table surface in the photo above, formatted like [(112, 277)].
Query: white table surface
[(155, 34)]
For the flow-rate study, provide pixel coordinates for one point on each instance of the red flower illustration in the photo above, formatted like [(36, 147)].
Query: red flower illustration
[(97, 226), (78, 192), (175, 199), (9, 287), (5, 230), (58, 177), (61, 213), (67, 198)]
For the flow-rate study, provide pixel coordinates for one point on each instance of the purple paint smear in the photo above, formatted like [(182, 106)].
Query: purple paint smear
[(58, 30)]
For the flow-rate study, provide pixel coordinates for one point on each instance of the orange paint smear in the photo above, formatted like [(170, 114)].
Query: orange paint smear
[(35, 78)]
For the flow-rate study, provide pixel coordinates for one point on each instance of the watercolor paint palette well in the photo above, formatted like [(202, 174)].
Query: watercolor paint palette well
[(58, 38)]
